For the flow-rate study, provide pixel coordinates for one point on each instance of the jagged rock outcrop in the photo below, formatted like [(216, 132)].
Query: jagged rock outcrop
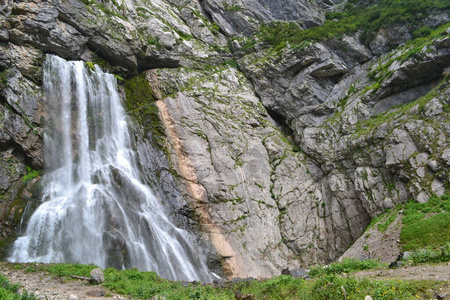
[(278, 160), (244, 17)]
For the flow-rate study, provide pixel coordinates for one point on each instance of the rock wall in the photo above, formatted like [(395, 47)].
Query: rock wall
[(275, 158)]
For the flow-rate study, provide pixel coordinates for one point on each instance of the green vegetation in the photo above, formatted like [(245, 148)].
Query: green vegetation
[(366, 16), (344, 266), (104, 8), (384, 220), (31, 174), (232, 7), (425, 228), (426, 224), (140, 104), (145, 285), (429, 255), (4, 79), (413, 49), (334, 287), (9, 291), (367, 126)]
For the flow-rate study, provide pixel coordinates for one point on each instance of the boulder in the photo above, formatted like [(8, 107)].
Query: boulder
[(97, 276)]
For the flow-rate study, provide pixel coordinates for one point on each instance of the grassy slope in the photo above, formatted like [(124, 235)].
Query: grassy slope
[(326, 284), (425, 228)]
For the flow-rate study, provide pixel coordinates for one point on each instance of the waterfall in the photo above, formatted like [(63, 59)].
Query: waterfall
[(95, 208)]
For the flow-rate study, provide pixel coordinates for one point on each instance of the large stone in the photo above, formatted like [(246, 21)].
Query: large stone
[(97, 276)]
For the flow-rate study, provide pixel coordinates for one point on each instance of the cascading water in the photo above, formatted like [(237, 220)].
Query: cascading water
[(95, 208)]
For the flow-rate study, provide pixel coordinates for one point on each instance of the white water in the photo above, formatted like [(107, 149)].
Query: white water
[(95, 209)]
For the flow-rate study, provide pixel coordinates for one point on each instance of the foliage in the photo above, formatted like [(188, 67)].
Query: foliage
[(140, 104), (31, 174), (281, 287), (364, 127), (390, 218), (9, 291), (344, 266), (333, 287), (430, 255), (66, 269), (426, 224), (90, 65), (4, 79), (145, 285), (366, 16)]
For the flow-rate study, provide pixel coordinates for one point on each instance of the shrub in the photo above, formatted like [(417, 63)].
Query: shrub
[(430, 255), (345, 266), (364, 16), (426, 224), (9, 291)]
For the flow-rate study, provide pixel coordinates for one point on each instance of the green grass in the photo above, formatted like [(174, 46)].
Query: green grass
[(9, 291), (344, 266), (432, 256), (334, 287), (384, 225), (326, 285), (426, 225), (367, 126)]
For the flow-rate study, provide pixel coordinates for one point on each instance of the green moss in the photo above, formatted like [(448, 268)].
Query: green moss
[(367, 126), (140, 105), (4, 79), (16, 210), (31, 174), (232, 7), (90, 65)]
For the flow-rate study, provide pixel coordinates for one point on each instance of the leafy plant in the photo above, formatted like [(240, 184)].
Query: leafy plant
[(31, 174), (431, 255), (344, 266), (9, 291), (366, 16)]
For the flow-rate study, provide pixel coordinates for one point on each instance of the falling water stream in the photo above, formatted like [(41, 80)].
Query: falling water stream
[(95, 208)]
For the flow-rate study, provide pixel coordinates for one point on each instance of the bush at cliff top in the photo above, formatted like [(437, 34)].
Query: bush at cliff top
[(357, 15)]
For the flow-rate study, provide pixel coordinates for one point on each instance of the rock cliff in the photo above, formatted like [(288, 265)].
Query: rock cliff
[(275, 156)]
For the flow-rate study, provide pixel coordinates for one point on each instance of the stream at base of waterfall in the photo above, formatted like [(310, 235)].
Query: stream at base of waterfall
[(95, 208)]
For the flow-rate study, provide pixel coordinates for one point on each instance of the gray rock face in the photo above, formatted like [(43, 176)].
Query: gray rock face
[(244, 17)]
